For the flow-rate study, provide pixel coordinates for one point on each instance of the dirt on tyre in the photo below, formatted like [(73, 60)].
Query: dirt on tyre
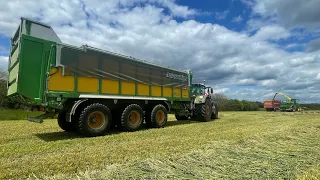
[(132, 118), (158, 116), (63, 124), (204, 111), (94, 120)]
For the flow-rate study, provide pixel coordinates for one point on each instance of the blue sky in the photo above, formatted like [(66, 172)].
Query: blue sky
[(245, 49), (223, 11)]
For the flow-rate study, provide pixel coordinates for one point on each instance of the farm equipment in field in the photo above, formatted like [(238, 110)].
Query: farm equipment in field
[(92, 89), (272, 105), (290, 105)]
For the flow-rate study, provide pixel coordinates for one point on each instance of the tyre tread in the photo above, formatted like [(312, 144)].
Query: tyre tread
[(153, 121), (83, 113)]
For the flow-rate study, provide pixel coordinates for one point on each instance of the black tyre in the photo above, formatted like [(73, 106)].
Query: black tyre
[(132, 118), (204, 111), (181, 118), (158, 116), (63, 124), (94, 120), (215, 112)]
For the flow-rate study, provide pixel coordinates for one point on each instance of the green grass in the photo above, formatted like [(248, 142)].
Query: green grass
[(239, 145), (9, 114)]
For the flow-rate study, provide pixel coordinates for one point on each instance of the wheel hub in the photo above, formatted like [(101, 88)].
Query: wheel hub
[(96, 120), (134, 118), (160, 117), (93, 120)]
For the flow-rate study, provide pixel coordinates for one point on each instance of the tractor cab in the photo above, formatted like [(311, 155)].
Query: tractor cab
[(200, 90), (295, 101)]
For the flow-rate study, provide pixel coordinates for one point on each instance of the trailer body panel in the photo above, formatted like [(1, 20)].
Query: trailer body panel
[(27, 74), (80, 70)]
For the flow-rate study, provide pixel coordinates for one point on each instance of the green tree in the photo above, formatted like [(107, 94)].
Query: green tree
[(226, 104), (3, 89)]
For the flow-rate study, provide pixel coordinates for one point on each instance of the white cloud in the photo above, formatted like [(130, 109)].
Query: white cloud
[(237, 19), (246, 82), (221, 90), (289, 13), (269, 82), (3, 63), (178, 10), (314, 45), (213, 52), (221, 15), (302, 59), (289, 46), (272, 32)]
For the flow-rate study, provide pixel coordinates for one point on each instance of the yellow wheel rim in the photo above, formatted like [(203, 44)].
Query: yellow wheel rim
[(160, 117), (96, 120), (134, 118)]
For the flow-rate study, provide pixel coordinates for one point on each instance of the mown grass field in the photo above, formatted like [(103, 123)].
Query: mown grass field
[(239, 145), (16, 114)]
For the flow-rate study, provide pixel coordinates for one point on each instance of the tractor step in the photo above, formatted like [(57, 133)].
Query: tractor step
[(40, 118)]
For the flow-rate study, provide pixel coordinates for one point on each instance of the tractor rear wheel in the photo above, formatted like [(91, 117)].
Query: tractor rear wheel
[(63, 124), (215, 114), (132, 118), (94, 120), (204, 111)]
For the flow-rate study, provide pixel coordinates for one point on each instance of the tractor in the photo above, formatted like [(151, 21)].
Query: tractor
[(202, 106), (290, 105)]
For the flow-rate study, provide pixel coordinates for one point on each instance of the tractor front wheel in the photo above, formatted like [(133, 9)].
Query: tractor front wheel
[(204, 111)]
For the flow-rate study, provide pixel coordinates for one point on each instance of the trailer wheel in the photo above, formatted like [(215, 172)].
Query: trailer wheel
[(159, 116), (94, 120), (204, 111), (132, 118), (63, 124)]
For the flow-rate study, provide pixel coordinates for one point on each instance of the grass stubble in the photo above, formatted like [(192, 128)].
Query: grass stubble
[(239, 145)]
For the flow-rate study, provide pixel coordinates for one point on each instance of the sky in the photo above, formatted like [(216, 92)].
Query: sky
[(245, 49)]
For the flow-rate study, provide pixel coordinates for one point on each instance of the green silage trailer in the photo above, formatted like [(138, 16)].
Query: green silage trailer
[(92, 89)]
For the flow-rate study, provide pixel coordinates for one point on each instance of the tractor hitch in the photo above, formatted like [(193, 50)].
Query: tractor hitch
[(40, 118)]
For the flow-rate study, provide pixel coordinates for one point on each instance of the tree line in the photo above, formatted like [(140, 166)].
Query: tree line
[(226, 104), (4, 100)]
